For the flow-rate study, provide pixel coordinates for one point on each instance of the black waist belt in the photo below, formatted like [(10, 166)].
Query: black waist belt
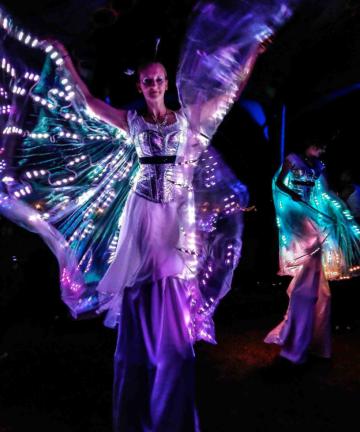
[(303, 183), (157, 160)]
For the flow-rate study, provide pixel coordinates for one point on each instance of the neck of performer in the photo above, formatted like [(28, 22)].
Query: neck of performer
[(156, 108)]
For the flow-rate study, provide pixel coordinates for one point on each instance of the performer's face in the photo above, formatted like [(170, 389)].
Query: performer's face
[(153, 82), (315, 151)]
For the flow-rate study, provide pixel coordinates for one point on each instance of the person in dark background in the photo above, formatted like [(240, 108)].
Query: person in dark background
[(318, 242), (154, 350), (156, 289)]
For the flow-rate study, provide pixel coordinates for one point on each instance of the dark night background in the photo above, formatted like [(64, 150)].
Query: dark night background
[(55, 373)]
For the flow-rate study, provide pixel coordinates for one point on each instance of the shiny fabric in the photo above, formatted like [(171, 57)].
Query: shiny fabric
[(147, 250), (306, 326), (156, 182), (154, 384), (151, 284)]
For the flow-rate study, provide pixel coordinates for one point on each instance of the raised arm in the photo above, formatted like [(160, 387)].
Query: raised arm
[(210, 107), (116, 117), (280, 181)]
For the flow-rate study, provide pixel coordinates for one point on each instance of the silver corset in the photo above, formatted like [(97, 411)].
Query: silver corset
[(156, 181)]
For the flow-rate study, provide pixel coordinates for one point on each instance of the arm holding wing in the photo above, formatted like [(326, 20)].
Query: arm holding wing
[(280, 181), (210, 107), (114, 116)]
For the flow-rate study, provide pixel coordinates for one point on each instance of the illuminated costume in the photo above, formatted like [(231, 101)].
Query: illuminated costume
[(318, 241), (154, 341), (147, 225)]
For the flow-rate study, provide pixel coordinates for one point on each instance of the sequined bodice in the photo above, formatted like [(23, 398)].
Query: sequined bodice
[(156, 180), (302, 177)]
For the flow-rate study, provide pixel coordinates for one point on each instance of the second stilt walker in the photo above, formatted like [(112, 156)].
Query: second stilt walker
[(319, 240)]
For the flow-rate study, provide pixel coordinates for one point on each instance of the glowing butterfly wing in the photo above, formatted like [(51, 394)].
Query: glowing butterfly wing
[(65, 174), (216, 59), (341, 249)]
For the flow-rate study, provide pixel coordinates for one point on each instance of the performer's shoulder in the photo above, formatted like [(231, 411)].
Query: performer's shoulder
[(131, 116)]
